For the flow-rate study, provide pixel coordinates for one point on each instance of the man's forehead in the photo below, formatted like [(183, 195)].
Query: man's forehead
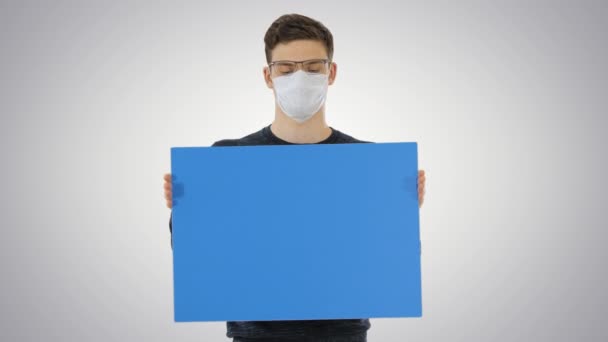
[(299, 50)]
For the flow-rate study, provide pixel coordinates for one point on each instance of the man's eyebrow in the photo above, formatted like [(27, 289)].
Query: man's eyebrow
[(306, 60)]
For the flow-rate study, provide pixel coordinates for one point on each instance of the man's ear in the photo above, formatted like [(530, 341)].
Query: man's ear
[(267, 79), (333, 71)]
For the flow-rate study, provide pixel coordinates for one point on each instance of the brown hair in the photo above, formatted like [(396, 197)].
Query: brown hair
[(291, 27)]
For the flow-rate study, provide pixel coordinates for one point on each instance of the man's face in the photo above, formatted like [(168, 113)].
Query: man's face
[(299, 50)]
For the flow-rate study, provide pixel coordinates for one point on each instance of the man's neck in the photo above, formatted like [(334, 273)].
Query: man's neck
[(310, 131)]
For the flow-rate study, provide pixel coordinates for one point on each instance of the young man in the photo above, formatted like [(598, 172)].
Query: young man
[(299, 54)]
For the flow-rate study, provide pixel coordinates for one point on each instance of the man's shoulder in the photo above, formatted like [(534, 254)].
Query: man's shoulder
[(255, 138), (226, 142), (344, 138)]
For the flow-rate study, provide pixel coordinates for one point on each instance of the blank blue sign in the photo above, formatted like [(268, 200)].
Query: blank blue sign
[(296, 232)]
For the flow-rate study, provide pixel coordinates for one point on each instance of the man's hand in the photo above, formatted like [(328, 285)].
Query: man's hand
[(168, 190), (421, 180)]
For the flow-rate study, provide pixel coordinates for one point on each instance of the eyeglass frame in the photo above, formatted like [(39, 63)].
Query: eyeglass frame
[(324, 60)]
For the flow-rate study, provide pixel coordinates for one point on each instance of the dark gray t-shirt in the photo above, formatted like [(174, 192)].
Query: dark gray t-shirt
[(293, 328)]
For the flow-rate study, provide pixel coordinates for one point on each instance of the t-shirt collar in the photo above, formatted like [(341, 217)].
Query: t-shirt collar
[(270, 135)]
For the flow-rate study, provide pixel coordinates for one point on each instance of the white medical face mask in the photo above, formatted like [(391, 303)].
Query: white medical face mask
[(300, 94)]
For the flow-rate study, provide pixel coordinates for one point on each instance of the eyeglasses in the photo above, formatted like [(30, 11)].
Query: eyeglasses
[(313, 66)]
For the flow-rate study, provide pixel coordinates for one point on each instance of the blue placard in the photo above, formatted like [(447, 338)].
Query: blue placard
[(296, 232)]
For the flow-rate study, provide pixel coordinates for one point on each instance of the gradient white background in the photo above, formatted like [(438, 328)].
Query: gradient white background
[(507, 100)]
